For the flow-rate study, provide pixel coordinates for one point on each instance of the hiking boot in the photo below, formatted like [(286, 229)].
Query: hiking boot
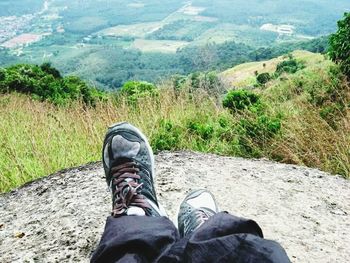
[(128, 162), (195, 210)]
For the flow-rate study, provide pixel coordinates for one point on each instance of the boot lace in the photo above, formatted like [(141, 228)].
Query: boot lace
[(201, 217), (126, 188), (195, 220)]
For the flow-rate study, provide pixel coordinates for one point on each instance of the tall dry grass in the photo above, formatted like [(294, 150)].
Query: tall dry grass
[(309, 140), (38, 138)]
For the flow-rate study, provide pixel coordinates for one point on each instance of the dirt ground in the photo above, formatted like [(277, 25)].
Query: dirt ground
[(60, 218)]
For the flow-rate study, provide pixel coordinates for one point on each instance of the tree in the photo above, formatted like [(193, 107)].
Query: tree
[(339, 45)]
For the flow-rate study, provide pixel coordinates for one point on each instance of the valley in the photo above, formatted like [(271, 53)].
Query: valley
[(110, 42)]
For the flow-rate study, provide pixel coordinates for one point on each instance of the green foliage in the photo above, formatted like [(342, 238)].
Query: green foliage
[(46, 67), (136, 90), (279, 122), (46, 83), (208, 81), (241, 99), (204, 130), (317, 45), (339, 49), (289, 66), (2, 74), (167, 136), (122, 64), (331, 113), (263, 78), (256, 124)]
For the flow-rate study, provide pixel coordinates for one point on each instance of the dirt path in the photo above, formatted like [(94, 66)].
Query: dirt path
[(62, 216)]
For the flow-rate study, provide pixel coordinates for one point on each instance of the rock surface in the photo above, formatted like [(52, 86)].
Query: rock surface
[(60, 218)]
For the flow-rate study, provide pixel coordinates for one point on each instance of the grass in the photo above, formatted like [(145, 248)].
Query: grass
[(38, 138), (244, 74)]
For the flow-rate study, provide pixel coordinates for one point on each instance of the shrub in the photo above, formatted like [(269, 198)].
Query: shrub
[(204, 130), (135, 90), (241, 99), (289, 66), (167, 136), (46, 83), (263, 78)]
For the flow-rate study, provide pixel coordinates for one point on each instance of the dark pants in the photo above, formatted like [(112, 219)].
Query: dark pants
[(223, 238)]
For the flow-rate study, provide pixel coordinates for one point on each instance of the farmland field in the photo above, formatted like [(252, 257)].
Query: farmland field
[(111, 41), (165, 46)]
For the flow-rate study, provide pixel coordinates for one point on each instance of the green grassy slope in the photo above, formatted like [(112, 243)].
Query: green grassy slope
[(301, 118)]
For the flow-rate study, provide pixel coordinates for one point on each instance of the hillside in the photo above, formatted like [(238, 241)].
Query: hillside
[(303, 98), (61, 217), (244, 74), (252, 103)]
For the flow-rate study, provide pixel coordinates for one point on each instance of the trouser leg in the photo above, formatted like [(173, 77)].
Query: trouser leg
[(135, 239), (223, 238), (227, 238)]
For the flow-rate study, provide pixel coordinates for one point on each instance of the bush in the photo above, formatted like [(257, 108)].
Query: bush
[(167, 136), (339, 45), (263, 78), (241, 99), (46, 83), (289, 66), (204, 130), (135, 90)]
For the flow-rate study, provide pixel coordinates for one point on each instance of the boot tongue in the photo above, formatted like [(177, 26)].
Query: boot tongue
[(135, 211)]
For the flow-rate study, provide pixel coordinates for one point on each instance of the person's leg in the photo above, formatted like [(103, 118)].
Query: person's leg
[(137, 231), (209, 236), (226, 238), (135, 239)]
